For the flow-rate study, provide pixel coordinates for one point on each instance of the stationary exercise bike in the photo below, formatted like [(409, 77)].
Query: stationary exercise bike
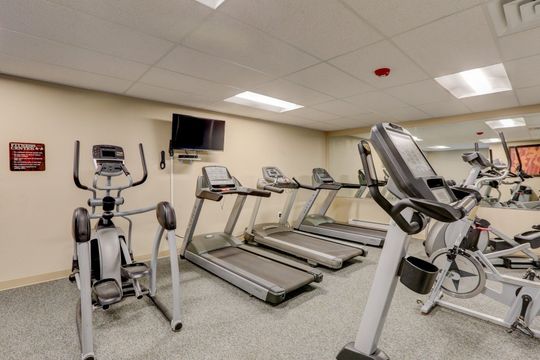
[(103, 266), (465, 274), (498, 247)]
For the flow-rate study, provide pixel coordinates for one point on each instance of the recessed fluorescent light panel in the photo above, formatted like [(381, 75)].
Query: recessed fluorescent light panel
[(506, 123), (438, 147), (490, 140), (480, 81), (263, 102), (214, 4)]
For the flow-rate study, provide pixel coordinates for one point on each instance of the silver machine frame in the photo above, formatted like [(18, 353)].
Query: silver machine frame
[(198, 249), (409, 215), (114, 246), (309, 223), (520, 295), (263, 233)]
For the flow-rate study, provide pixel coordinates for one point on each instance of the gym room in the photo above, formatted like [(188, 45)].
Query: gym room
[(269, 179)]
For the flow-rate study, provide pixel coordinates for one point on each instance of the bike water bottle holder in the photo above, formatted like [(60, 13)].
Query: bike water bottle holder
[(417, 274)]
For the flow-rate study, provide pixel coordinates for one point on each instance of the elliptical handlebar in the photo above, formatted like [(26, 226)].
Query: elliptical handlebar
[(145, 170), (95, 187), (76, 178)]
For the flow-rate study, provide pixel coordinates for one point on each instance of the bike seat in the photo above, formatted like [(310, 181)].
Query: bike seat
[(107, 291), (135, 270), (531, 237)]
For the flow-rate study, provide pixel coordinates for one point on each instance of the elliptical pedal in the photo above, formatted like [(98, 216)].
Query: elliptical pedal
[(107, 292), (135, 270)]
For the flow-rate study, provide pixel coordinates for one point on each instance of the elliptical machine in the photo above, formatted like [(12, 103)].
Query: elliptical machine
[(500, 249), (103, 265)]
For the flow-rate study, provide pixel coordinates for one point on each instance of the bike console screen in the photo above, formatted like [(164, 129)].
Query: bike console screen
[(407, 164)]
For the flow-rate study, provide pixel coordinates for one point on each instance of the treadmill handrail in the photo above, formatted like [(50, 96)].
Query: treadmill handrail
[(334, 186), (242, 191), (350, 186), (274, 189), (209, 195)]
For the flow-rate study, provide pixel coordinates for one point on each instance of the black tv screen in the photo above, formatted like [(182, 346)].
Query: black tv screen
[(193, 133)]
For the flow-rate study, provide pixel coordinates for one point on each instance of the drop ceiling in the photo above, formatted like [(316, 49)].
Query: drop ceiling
[(463, 135), (317, 53)]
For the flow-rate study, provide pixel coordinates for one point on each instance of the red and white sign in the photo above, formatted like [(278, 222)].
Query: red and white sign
[(26, 156)]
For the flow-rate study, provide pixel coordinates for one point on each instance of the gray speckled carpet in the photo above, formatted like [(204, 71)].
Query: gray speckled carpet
[(223, 322)]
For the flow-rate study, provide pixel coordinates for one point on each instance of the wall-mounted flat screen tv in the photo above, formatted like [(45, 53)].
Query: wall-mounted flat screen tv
[(194, 133)]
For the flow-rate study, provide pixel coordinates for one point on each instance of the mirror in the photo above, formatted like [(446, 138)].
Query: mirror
[(444, 145)]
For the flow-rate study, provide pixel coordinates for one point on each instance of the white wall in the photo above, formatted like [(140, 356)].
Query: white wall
[(36, 208)]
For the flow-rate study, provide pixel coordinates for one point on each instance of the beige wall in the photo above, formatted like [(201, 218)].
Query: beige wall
[(36, 208), (449, 164)]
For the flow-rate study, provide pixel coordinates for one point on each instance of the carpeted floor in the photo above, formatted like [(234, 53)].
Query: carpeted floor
[(223, 322)]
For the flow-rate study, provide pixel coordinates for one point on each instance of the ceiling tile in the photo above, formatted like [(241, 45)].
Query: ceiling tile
[(59, 23), (62, 75), (363, 62), (312, 114), (375, 101), (521, 44), (524, 72), (528, 96), (404, 113), (188, 84), (287, 118), (192, 62), (396, 16), (458, 42), (167, 19), (444, 108), (288, 91), (231, 108), (340, 107), (496, 101), (319, 125), (329, 80), (324, 28), (157, 93), (40, 50), (421, 92), (349, 123), (228, 38)]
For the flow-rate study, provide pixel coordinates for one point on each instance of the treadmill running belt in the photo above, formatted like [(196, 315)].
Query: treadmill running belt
[(355, 229), (281, 275), (327, 247)]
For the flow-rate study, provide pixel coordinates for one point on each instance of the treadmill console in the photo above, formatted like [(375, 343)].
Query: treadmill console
[(273, 175), (321, 176), (108, 159), (218, 178), (407, 165)]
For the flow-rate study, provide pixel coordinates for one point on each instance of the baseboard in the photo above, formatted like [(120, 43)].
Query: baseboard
[(56, 275)]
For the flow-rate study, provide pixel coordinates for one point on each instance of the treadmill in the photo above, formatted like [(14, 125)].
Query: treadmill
[(280, 236), (265, 275), (323, 225)]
